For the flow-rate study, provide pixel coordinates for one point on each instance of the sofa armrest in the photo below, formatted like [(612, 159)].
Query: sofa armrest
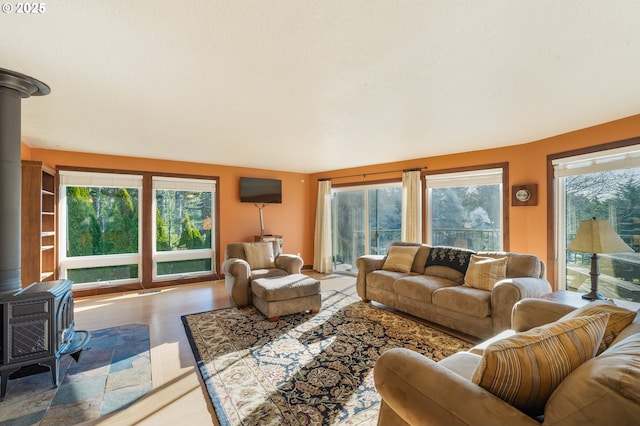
[(237, 273), (506, 293), (365, 265), (419, 391), (530, 313), (290, 263)]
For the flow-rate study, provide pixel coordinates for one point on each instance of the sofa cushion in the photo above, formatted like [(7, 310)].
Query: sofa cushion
[(526, 368), (604, 390), (444, 272), (259, 255), (400, 258), (466, 300), (452, 257), (461, 363), (381, 279), (484, 272), (619, 319), (420, 287), (519, 265)]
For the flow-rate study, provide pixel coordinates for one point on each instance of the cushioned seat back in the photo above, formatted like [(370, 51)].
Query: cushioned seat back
[(604, 390), (520, 265), (236, 250)]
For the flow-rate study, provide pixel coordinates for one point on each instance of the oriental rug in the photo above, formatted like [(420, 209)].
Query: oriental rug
[(304, 369), (112, 372)]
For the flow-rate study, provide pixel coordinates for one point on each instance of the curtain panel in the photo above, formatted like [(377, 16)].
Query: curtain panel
[(322, 252), (411, 228)]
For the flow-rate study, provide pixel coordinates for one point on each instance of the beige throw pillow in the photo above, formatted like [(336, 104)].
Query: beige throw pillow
[(259, 255), (526, 368), (484, 272), (400, 258), (619, 319)]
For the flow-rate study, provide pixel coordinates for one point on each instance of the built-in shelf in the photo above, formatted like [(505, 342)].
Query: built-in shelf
[(38, 262)]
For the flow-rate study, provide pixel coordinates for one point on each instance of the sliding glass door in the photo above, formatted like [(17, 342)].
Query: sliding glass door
[(366, 220)]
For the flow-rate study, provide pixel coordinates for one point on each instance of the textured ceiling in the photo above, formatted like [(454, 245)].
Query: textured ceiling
[(311, 86)]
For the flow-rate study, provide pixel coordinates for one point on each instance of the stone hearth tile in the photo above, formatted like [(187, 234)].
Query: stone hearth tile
[(129, 377), (73, 392), (25, 408)]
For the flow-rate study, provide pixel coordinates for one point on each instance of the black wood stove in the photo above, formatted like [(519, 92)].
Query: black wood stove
[(37, 321), (38, 329)]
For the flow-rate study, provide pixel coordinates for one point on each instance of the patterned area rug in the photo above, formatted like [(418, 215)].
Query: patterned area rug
[(112, 373), (303, 369)]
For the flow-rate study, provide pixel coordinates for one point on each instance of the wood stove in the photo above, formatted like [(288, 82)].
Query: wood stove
[(39, 329), (37, 321)]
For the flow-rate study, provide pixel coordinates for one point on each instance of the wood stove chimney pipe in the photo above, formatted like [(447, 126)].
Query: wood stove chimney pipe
[(13, 87)]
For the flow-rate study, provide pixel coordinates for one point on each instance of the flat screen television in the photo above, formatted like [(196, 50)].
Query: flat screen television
[(260, 191)]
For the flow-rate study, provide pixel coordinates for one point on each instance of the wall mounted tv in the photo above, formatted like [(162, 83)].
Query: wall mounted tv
[(260, 191)]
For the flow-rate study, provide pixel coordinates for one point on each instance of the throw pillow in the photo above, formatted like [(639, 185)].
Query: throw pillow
[(484, 272), (526, 368), (452, 257), (619, 319), (259, 255), (400, 258)]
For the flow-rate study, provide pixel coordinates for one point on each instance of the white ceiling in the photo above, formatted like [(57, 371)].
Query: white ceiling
[(308, 86)]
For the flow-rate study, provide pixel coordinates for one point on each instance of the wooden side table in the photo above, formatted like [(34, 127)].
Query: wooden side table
[(573, 298)]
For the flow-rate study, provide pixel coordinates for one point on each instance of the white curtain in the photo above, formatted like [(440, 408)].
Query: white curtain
[(322, 260), (411, 207)]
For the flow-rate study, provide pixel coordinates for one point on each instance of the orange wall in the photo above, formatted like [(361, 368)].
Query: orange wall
[(295, 218), (238, 221), (527, 165)]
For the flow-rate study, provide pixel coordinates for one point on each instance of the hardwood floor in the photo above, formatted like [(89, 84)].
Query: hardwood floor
[(178, 396)]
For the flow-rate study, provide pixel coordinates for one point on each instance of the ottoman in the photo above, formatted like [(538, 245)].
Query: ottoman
[(275, 296)]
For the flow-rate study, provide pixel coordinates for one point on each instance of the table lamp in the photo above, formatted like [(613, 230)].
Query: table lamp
[(597, 236)]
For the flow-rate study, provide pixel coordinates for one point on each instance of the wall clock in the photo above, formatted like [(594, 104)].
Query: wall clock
[(524, 195)]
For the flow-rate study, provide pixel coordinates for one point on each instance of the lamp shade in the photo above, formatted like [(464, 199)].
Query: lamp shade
[(597, 236)]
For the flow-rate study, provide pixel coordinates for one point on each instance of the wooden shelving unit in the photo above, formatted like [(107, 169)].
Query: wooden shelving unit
[(39, 237)]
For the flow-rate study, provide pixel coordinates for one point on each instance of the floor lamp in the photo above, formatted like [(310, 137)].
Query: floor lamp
[(597, 236)]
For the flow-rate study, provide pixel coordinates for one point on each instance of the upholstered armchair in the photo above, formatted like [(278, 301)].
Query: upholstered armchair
[(245, 262)]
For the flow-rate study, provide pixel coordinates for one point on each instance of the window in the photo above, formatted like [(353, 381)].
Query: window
[(605, 185), (100, 237), (465, 209), (183, 241), (365, 220), (101, 228)]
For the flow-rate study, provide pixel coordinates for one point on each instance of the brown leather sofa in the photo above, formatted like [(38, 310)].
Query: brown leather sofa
[(436, 293), (604, 390)]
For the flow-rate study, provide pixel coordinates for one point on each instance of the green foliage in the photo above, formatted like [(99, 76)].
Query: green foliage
[(162, 237), (190, 237), (121, 225), (101, 221), (83, 229)]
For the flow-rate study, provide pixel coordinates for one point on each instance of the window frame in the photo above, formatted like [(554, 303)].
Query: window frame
[(608, 157), (182, 184), (147, 230), (71, 178), (468, 174)]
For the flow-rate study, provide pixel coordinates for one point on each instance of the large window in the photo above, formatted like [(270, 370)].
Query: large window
[(102, 223), (365, 220), (100, 218), (465, 209), (604, 185), (183, 243)]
